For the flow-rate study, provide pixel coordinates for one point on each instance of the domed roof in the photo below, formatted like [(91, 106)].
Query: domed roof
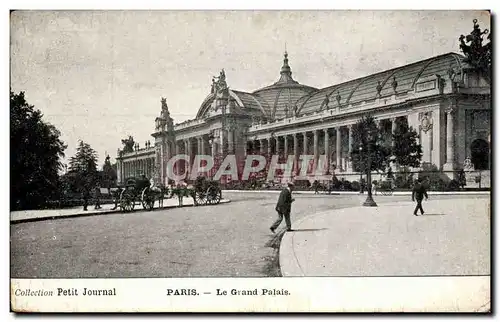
[(282, 96)]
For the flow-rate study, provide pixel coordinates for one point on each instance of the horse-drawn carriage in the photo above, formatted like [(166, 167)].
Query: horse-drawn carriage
[(140, 191), (323, 186), (206, 192)]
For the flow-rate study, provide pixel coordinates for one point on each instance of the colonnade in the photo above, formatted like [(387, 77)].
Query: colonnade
[(137, 167), (335, 143)]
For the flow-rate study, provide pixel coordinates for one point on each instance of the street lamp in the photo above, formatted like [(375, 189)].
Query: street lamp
[(211, 140), (369, 202)]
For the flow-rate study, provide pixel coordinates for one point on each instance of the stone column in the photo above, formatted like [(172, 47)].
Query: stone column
[(327, 149), (230, 141), (213, 148), (187, 151), (278, 148), (151, 167), (450, 140), (296, 152), (177, 148), (269, 148), (316, 147), (118, 171), (222, 141), (285, 149), (393, 130), (338, 147), (304, 146), (261, 146), (202, 142)]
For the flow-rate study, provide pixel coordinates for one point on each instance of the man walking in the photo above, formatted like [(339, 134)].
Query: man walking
[(284, 207), (419, 192), (116, 195), (97, 197)]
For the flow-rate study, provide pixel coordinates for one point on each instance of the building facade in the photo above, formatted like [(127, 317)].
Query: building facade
[(443, 98)]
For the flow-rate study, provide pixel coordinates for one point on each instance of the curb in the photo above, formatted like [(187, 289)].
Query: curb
[(105, 212), (338, 193)]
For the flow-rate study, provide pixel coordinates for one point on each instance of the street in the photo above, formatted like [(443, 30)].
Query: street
[(227, 240)]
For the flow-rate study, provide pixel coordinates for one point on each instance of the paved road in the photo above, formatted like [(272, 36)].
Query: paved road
[(220, 241)]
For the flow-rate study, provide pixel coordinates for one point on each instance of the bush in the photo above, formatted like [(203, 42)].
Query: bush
[(355, 186), (404, 180), (435, 183), (385, 185), (453, 185), (346, 185)]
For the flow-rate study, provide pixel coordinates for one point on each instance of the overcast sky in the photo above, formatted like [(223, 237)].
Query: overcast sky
[(99, 75)]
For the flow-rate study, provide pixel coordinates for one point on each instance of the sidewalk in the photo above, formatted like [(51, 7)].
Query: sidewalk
[(37, 215), (395, 193), (452, 238)]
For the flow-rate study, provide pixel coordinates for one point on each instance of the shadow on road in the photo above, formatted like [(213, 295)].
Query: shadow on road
[(309, 229), (433, 215)]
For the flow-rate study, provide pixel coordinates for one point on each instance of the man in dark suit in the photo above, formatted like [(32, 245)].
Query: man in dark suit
[(284, 207), (419, 192)]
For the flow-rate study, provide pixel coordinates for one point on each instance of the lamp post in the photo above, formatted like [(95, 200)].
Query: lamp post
[(369, 202), (211, 140)]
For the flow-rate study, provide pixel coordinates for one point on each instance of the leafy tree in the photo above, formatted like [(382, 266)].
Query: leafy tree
[(128, 144), (108, 177), (83, 167), (35, 156), (368, 137), (407, 150)]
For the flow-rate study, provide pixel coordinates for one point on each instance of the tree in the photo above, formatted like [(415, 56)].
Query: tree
[(128, 144), (35, 156), (83, 167), (108, 177), (368, 137), (407, 151)]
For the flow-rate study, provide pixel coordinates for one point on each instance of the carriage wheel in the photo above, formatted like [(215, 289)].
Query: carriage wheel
[(147, 199), (387, 192), (214, 196), (200, 198), (127, 202)]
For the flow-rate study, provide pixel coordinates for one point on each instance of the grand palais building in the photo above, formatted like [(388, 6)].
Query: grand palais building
[(442, 97)]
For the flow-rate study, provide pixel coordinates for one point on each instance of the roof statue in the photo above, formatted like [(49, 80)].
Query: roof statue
[(220, 85), (394, 83), (164, 108), (214, 86), (325, 103), (477, 54)]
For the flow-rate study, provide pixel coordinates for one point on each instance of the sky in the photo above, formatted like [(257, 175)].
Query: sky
[(99, 76)]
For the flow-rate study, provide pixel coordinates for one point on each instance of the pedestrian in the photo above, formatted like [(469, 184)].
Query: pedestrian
[(283, 207), (86, 196), (97, 197), (419, 192), (116, 198), (181, 191), (316, 187), (374, 187)]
